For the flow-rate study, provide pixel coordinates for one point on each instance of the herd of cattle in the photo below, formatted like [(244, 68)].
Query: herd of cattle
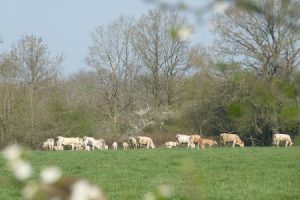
[(90, 143)]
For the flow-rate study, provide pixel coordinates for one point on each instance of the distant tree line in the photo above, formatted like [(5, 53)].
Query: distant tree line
[(143, 79)]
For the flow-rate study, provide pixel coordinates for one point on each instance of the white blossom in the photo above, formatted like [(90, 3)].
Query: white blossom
[(12, 152), (50, 175), (29, 191), (184, 33), (149, 196), (220, 6), (82, 190), (165, 191), (21, 169)]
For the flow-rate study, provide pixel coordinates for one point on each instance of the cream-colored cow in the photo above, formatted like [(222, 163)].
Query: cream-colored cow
[(68, 141), (132, 142), (277, 138), (125, 145), (171, 144), (229, 137), (193, 140), (143, 140), (115, 145), (202, 142)]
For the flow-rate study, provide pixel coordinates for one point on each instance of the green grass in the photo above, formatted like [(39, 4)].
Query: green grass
[(216, 173)]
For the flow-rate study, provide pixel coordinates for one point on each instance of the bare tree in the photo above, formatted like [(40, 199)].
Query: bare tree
[(9, 96), (35, 66), (115, 62), (162, 56), (265, 39)]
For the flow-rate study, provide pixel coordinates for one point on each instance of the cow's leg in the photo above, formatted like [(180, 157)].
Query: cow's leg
[(233, 144), (286, 143)]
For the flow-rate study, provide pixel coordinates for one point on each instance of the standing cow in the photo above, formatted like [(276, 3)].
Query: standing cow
[(277, 138)]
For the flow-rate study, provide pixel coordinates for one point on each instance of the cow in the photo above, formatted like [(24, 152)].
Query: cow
[(89, 141), (202, 142), (67, 141), (100, 144), (171, 144), (58, 148), (132, 142), (125, 145), (182, 139), (277, 138), (193, 140), (115, 145), (229, 137), (143, 140), (49, 144)]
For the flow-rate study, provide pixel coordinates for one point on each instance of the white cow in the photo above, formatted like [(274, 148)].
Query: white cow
[(132, 142), (89, 141), (171, 144), (277, 138), (182, 139), (67, 141), (100, 144), (49, 144), (143, 140), (115, 145), (125, 145)]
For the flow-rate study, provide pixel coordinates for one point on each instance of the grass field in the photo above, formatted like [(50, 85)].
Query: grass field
[(216, 173)]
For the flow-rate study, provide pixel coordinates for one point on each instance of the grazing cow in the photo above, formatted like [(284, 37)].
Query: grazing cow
[(171, 144), (193, 140), (143, 140), (115, 145), (182, 139), (203, 142), (89, 141), (277, 138), (68, 141), (100, 144), (49, 144), (132, 142), (229, 137), (125, 145)]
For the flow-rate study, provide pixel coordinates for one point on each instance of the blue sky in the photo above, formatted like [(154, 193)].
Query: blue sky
[(65, 25)]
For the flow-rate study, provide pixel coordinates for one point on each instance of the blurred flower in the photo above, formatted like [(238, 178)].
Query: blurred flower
[(149, 196), (83, 190), (165, 191), (12, 152), (21, 169), (50, 175), (29, 191), (184, 33), (220, 6)]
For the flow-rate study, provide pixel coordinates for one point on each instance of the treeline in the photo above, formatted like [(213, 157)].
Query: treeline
[(145, 78)]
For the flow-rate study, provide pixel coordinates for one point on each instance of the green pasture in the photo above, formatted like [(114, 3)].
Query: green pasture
[(216, 173)]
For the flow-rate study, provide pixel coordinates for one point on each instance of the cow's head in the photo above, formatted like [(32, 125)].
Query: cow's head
[(241, 144)]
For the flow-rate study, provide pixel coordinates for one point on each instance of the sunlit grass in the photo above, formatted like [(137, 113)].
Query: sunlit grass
[(216, 173)]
